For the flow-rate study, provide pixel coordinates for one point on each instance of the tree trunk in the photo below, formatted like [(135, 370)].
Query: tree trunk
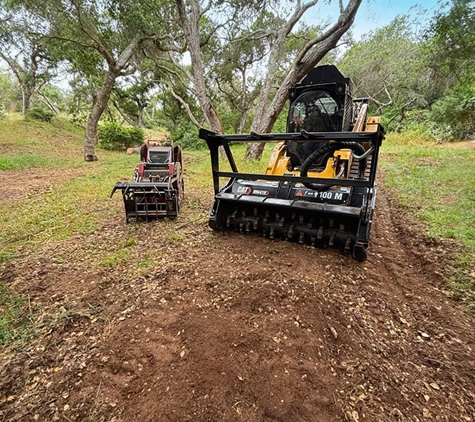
[(102, 98), (242, 120), (190, 21), (27, 99), (100, 103), (140, 117), (403, 114)]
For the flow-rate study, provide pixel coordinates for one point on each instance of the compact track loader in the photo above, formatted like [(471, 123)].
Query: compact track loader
[(319, 185), (157, 188)]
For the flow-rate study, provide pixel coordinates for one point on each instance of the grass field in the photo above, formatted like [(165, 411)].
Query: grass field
[(435, 183)]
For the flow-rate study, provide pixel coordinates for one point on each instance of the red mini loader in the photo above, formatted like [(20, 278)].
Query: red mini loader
[(157, 188)]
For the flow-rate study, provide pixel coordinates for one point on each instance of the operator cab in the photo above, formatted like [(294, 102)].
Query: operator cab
[(302, 108), (155, 152), (321, 102)]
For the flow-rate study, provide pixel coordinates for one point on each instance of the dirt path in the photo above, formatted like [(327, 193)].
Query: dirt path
[(17, 184), (240, 328)]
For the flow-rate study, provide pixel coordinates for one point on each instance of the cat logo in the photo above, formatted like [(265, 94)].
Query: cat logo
[(246, 190)]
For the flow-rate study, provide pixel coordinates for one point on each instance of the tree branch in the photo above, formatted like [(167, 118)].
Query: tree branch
[(185, 106)]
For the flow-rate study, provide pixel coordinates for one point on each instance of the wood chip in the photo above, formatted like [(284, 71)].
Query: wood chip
[(333, 331)]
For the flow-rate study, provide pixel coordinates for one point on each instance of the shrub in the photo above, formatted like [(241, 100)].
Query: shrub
[(455, 113), (40, 113), (114, 137), (190, 141), (419, 125)]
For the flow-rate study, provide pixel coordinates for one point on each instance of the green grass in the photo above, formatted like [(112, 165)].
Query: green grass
[(25, 161), (121, 254), (17, 320), (76, 206), (32, 144), (436, 184)]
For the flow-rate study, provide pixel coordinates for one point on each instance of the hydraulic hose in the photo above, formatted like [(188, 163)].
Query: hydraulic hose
[(330, 148)]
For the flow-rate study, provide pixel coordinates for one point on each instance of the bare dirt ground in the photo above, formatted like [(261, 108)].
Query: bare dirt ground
[(239, 328)]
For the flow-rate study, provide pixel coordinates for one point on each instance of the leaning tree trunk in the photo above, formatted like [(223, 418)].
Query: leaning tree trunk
[(268, 112), (265, 123), (90, 137), (190, 21)]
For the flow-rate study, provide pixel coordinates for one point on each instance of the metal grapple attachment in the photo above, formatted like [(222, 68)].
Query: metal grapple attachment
[(157, 188)]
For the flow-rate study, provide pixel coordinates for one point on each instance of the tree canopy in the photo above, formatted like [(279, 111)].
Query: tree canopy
[(227, 65)]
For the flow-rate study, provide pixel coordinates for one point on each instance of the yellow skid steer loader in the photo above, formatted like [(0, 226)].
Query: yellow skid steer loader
[(319, 185)]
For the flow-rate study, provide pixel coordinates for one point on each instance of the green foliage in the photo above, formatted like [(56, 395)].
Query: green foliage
[(451, 39), (114, 137), (78, 103), (387, 66), (456, 113), (25, 52), (450, 52), (55, 96), (190, 140), (132, 95), (40, 113), (16, 317), (419, 125), (280, 126), (185, 134), (8, 91)]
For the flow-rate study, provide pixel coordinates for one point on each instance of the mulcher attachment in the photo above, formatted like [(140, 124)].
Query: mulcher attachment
[(328, 200), (157, 188)]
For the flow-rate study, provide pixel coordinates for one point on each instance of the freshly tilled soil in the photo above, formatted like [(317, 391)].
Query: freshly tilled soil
[(224, 327)]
